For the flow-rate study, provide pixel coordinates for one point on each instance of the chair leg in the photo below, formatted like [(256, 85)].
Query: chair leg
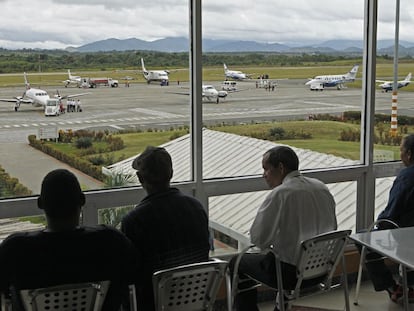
[(279, 284), (358, 284), (229, 291), (345, 284)]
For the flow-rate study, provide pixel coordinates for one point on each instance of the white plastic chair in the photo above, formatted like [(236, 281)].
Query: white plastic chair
[(190, 287), (318, 258), (82, 296), (88, 296)]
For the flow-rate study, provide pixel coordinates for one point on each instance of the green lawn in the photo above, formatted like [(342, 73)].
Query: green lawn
[(134, 144), (324, 138), (216, 73)]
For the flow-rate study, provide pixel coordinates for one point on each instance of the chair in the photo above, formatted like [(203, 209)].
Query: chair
[(363, 254), (318, 259), (81, 296), (190, 287)]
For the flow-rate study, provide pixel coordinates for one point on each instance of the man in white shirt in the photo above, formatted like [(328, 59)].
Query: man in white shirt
[(296, 209)]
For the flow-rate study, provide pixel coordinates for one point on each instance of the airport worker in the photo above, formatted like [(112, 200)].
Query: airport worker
[(66, 252), (399, 209), (79, 106), (296, 208), (167, 227)]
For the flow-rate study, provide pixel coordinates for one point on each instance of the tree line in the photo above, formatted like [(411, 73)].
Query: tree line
[(56, 60)]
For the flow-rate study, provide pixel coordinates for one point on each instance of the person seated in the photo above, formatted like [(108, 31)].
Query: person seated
[(296, 208), (66, 252), (400, 210), (167, 227)]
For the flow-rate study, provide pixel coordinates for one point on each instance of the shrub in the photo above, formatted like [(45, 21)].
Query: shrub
[(83, 142), (277, 133), (97, 160)]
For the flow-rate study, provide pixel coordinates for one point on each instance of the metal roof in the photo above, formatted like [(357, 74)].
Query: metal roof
[(230, 155)]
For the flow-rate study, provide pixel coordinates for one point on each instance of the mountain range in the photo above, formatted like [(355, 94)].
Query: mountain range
[(181, 44)]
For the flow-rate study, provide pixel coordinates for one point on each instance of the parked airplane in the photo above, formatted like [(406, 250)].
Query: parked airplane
[(320, 82), (35, 97), (389, 85), (73, 79), (235, 75), (154, 75), (210, 93)]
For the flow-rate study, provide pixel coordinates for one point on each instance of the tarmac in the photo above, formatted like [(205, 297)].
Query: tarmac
[(30, 166)]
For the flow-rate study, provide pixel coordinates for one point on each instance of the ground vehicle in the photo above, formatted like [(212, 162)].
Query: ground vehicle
[(53, 107), (316, 87), (94, 82), (229, 86)]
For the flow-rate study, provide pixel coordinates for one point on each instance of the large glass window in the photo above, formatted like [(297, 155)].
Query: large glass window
[(296, 74), (394, 118), (280, 47)]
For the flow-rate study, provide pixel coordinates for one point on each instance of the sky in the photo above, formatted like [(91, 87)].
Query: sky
[(57, 24)]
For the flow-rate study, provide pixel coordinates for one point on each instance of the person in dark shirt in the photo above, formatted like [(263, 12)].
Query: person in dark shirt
[(167, 227), (399, 209), (65, 252)]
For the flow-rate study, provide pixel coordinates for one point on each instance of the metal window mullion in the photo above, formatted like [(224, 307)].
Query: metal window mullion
[(196, 126), (366, 183)]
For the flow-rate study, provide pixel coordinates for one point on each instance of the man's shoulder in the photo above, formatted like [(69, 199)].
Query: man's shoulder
[(20, 237)]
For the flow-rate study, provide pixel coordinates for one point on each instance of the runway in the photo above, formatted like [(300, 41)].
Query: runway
[(155, 106)]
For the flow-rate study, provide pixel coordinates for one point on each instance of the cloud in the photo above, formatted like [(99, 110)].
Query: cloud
[(62, 23)]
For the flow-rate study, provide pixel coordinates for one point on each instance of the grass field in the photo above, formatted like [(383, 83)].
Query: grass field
[(384, 72), (324, 138)]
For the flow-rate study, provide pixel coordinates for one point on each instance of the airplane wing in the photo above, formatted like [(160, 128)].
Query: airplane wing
[(179, 93), (16, 99), (381, 81), (71, 96)]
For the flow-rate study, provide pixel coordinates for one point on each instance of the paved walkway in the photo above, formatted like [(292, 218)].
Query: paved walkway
[(30, 165)]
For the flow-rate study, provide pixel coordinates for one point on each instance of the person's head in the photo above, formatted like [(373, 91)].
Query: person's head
[(407, 150), (154, 169), (61, 196), (277, 163)]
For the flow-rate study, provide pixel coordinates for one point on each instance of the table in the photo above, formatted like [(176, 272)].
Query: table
[(396, 244)]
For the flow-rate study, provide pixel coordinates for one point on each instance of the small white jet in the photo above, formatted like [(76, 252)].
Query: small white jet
[(338, 81), (73, 79), (388, 85), (210, 93), (235, 75), (155, 75), (35, 97)]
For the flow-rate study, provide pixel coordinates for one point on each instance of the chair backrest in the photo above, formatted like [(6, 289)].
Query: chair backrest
[(81, 297), (188, 287), (320, 255)]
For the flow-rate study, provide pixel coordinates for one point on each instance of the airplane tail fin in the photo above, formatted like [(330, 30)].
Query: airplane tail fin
[(351, 75), (225, 68), (26, 83), (143, 66), (69, 74), (408, 77)]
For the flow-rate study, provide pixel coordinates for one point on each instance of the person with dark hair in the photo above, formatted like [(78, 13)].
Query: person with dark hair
[(167, 227), (297, 208), (400, 210), (65, 252)]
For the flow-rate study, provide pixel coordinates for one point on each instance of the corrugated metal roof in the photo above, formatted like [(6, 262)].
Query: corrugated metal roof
[(230, 155)]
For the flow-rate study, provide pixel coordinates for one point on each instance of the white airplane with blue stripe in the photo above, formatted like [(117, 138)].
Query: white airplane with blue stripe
[(338, 81)]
